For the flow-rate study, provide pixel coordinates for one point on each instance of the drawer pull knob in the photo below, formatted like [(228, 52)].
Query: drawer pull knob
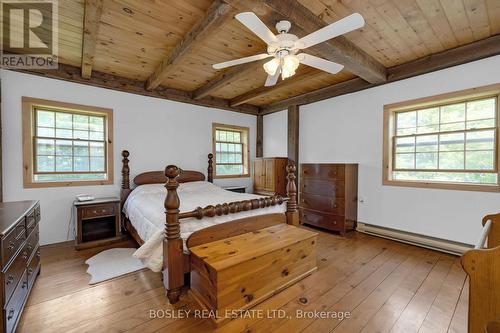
[(11, 245), (25, 284), (30, 271), (10, 279), (11, 314), (30, 247), (25, 255)]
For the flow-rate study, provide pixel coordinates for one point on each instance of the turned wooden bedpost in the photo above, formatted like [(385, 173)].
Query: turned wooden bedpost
[(210, 167), (173, 274), (292, 213), (125, 190)]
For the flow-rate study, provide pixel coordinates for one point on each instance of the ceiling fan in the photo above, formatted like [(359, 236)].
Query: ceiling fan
[(284, 47)]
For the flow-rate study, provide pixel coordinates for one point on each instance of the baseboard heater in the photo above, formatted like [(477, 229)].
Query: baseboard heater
[(433, 243)]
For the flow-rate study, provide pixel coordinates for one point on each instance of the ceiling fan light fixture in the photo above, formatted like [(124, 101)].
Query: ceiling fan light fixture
[(290, 65), (272, 66)]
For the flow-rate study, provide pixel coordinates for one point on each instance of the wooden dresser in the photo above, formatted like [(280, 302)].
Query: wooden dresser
[(20, 258), (269, 175), (328, 196)]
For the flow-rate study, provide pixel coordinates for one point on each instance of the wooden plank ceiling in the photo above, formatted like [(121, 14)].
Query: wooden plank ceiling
[(173, 44)]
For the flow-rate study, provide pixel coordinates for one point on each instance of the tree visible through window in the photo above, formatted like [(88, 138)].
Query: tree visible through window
[(451, 142), (231, 150), (67, 145)]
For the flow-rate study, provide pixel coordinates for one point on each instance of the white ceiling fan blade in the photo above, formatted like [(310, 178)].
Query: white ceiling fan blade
[(252, 22), (322, 64), (272, 79), (241, 61), (345, 25)]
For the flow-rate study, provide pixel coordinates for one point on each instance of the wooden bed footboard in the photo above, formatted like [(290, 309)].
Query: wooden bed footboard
[(483, 267), (173, 261)]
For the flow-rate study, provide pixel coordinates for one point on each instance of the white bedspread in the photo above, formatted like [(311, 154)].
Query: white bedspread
[(144, 208)]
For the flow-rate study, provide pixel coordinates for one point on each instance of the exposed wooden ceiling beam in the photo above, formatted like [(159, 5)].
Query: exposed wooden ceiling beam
[(304, 21), (92, 16), (261, 91), (109, 81), (213, 18), (226, 78), (463, 54)]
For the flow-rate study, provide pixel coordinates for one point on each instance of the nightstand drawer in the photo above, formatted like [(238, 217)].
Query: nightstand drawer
[(98, 210)]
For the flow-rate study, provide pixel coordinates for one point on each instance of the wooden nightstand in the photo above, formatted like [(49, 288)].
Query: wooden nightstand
[(97, 222)]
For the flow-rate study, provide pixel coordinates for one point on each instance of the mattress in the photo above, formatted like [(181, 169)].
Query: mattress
[(145, 210)]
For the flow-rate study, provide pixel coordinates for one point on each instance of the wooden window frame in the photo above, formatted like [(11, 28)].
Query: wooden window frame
[(390, 111), (29, 105), (245, 134)]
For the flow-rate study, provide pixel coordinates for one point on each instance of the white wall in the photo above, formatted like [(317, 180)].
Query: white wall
[(276, 134), (349, 129), (157, 132)]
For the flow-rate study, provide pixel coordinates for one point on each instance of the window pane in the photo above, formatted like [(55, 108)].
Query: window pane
[(96, 149), (64, 133), (64, 163), (80, 122), (428, 129), (453, 113), (405, 145), (237, 137), (426, 160), (238, 148), (451, 160), (217, 135), (428, 117), (481, 109), (45, 147), (487, 123), (427, 143), (406, 120), (452, 127), (229, 136), (455, 177), (81, 148), (96, 136), (480, 160), (97, 124), (222, 136), (451, 142), (405, 161), (45, 132), (45, 118), (64, 120), (481, 140), (96, 164), (64, 147), (81, 164), (45, 163), (81, 135)]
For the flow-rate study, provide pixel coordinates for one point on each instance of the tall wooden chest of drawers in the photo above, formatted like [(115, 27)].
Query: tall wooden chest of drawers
[(328, 196), (20, 258)]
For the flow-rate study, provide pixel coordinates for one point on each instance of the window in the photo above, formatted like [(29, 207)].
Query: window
[(66, 144), (450, 141), (230, 146)]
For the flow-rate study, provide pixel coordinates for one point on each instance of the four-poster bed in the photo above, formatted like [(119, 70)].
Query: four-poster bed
[(176, 257)]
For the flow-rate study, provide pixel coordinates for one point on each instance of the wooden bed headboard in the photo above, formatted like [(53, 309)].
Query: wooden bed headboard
[(158, 177)]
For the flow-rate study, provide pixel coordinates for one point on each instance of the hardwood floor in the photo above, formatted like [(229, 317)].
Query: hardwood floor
[(385, 286)]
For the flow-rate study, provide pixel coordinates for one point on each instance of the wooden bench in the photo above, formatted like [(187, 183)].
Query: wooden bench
[(239, 272)]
